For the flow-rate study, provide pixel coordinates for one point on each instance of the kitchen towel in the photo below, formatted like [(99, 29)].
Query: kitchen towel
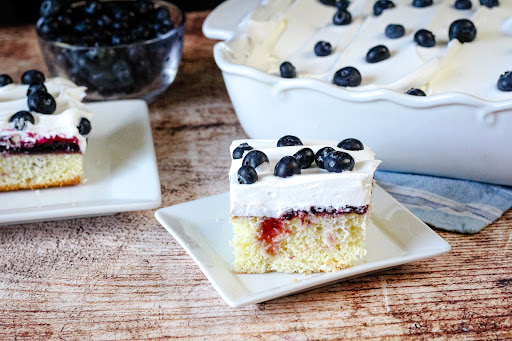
[(449, 204)]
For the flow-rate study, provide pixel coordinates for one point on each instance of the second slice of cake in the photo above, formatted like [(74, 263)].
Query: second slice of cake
[(43, 133), (299, 207)]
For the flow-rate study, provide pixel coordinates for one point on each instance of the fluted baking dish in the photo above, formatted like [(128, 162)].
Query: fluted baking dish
[(452, 135)]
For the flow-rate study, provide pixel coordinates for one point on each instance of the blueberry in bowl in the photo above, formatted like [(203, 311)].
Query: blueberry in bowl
[(118, 49)]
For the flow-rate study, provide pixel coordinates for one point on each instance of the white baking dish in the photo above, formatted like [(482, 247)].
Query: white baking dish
[(452, 135)]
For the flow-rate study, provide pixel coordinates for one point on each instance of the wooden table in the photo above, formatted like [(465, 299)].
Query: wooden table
[(125, 277)]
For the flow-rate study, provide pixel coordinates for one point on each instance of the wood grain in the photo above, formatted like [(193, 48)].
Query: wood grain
[(124, 277)]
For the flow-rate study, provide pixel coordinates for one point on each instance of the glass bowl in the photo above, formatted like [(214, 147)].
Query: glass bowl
[(141, 70)]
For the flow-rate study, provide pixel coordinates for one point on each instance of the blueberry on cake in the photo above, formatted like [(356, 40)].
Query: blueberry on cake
[(299, 207), (43, 132)]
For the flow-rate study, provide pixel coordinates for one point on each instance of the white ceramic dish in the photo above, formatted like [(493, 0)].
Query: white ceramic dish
[(120, 172), (451, 135), (202, 228)]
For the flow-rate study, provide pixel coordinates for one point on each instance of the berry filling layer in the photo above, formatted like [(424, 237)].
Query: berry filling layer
[(324, 211), (51, 145)]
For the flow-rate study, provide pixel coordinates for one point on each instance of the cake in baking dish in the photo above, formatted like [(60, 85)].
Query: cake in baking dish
[(43, 132), (299, 207), (430, 46)]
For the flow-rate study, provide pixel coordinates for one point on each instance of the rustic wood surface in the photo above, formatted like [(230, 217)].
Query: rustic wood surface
[(124, 277)]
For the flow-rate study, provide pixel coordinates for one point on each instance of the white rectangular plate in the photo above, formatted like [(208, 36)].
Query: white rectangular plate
[(120, 172), (395, 236)]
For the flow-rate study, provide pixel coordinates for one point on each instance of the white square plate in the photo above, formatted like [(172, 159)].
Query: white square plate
[(395, 236), (120, 172)]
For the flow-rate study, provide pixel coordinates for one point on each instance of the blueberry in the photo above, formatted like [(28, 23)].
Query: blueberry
[(144, 7), (342, 5), (5, 80), (489, 3), (415, 92), (83, 26), (164, 26), (254, 158), (123, 73), (128, 17), (32, 77), (348, 76), (50, 8), (463, 4), (377, 54), (321, 154), (92, 7), (463, 29), (287, 70), (20, 119), (41, 102), (64, 21), (305, 157), (247, 175), (96, 54), (422, 3), (342, 18), (84, 126), (150, 31), (351, 144), (323, 48), (238, 152), (103, 21), (162, 14), (381, 5), (120, 14), (120, 25), (141, 33), (289, 140), (425, 38), (286, 167), (48, 28), (328, 2), (36, 87), (505, 81), (120, 38), (395, 31), (338, 162)]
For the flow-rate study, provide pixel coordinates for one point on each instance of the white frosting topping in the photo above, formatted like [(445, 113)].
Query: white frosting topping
[(271, 196), (62, 123), (287, 30)]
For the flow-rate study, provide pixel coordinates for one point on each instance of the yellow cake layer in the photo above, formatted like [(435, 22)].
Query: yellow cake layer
[(316, 243), (20, 171)]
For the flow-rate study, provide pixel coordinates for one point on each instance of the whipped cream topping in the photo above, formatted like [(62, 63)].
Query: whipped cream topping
[(287, 30), (61, 124), (271, 196)]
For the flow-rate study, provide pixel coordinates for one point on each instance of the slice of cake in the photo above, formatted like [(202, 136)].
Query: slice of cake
[(43, 132), (299, 208)]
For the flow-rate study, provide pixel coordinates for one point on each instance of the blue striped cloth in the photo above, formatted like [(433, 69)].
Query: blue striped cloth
[(449, 204)]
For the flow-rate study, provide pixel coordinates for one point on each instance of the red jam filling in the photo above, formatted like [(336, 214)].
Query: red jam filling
[(270, 231)]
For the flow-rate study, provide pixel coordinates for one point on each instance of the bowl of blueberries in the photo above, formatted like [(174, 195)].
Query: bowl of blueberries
[(118, 49)]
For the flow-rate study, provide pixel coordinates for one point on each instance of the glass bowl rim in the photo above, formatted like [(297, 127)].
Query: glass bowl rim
[(139, 43)]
